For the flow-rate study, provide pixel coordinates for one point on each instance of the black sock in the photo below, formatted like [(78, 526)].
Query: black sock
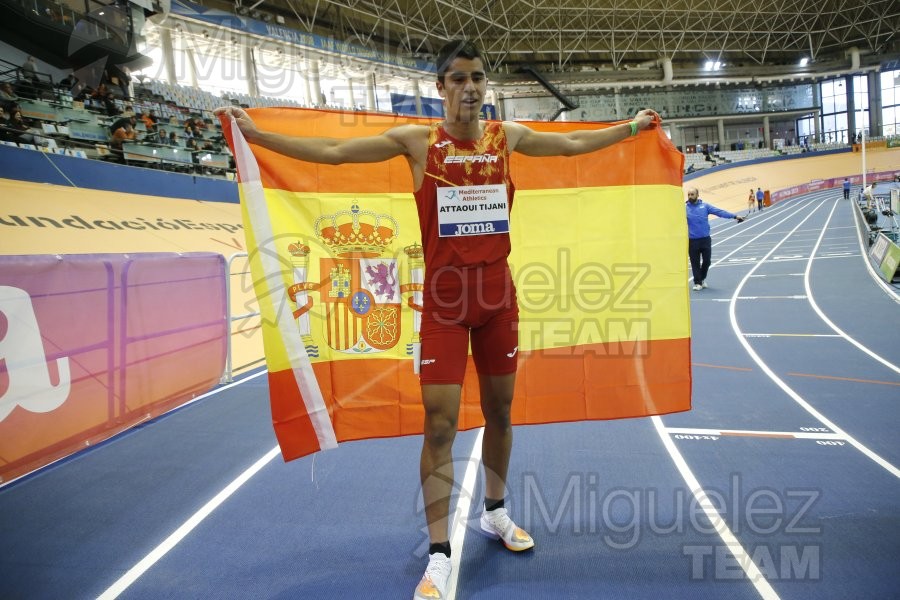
[(442, 548), (491, 504)]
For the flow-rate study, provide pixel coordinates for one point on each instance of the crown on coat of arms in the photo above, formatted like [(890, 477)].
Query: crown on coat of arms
[(356, 232), (298, 249), (414, 251)]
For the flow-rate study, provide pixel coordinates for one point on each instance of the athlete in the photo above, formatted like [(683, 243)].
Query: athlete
[(464, 194)]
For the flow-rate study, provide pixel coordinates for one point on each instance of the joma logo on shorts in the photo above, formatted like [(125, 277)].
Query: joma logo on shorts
[(473, 158), (473, 228)]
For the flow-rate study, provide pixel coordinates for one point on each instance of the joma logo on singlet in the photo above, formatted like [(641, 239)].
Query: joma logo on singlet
[(473, 158), (473, 228)]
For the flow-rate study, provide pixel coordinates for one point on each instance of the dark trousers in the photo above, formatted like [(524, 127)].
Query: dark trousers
[(700, 253), (846, 194)]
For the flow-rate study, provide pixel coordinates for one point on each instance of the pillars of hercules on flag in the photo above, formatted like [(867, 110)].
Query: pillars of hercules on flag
[(298, 294), (415, 286)]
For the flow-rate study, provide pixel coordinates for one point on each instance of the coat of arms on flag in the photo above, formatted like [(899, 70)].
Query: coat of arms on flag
[(359, 287)]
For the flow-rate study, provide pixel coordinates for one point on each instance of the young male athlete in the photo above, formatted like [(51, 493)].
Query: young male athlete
[(468, 291)]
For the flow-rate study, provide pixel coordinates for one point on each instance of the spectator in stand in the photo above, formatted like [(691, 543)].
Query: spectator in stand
[(29, 69), (68, 82), (121, 135), (7, 95), (124, 81), (6, 134), (102, 96), (100, 92), (19, 128), (53, 14), (158, 137), (151, 120), (121, 123), (29, 86), (173, 139), (188, 132)]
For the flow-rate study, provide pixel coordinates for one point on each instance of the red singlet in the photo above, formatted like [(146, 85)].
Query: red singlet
[(464, 206)]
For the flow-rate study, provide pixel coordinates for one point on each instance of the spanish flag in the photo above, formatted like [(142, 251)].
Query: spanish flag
[(599, 244)]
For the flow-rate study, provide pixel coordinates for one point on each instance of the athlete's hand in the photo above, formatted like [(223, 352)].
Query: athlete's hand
[(647, 118), (243, 120)]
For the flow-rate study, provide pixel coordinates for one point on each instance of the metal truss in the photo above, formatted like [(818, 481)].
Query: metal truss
[(556, 35)]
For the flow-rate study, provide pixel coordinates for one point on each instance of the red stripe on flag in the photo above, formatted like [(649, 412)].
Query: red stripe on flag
[(293, 427), (646, 159), (376, 398)]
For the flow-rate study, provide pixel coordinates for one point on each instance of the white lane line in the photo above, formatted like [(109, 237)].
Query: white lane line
[(805, 259), (792, 297), (751, 224), (811, 335), (179, 534), (829, 322), (800, 435), (728, 538), (461, 516), (778, 381), (796, 209)]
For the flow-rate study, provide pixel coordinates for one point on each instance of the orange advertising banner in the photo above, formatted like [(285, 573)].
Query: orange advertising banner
[(90, 345)]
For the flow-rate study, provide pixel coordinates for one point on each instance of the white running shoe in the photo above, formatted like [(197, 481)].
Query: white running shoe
[(697, 287), (433, 585), (498, 525), (703, 284)]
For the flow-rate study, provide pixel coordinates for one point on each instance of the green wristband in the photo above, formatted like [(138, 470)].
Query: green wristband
[(634, 128)]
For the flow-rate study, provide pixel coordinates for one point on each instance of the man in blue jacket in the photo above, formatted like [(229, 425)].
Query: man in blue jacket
[(699, 242)]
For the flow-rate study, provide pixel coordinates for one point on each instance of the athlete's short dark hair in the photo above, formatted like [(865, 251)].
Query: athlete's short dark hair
[(451, 51)]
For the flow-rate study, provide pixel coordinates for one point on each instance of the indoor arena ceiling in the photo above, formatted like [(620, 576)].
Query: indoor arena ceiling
[(585, 35)]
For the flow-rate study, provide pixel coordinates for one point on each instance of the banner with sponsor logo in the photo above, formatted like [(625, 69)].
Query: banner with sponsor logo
[(599, 260), (93, 344), (37, 219), (822, 184)]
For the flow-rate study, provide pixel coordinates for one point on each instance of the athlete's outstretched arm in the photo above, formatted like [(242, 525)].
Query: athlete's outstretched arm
[(332, 151), (541, 143)]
